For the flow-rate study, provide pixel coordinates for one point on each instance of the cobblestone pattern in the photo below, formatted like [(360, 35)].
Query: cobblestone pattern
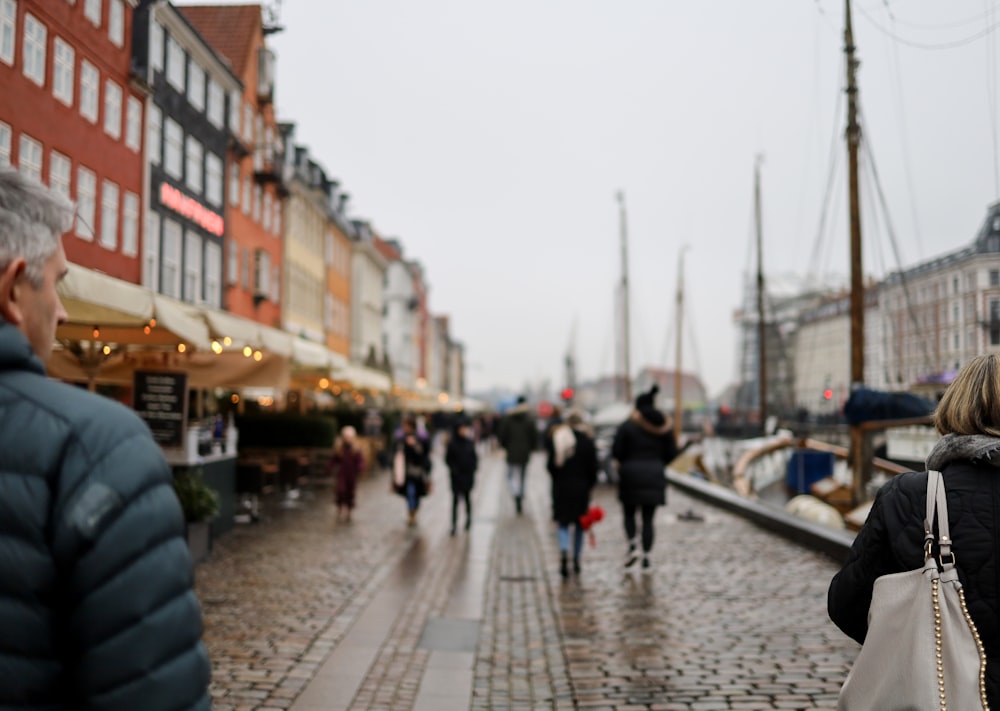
[(729, 616)]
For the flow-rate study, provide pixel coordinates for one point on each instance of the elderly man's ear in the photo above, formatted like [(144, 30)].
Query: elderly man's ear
[(11, 284)]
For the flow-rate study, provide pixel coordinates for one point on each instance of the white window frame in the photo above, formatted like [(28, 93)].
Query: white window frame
[(176, 63), (276, 220), (247, 195), (258, 200), (262, 272), (216, 111), (112, 109), (60, 173), (170, 261), (156, 47), (196, 84), (30, 156), (90, 89), (234, 183), (116, 22), (133, 124), (194, 164), (235, 111), (275, 284), (151, 252), (6, 135), (173, 148), (193, 246), (130, 224), (86, 202), (154, 134), (8, 31), (63, 71), (109, 215), (92, 11), (265, 215), (212, 274), (213, 179), (34, 49), (232, 264), (248, 125)]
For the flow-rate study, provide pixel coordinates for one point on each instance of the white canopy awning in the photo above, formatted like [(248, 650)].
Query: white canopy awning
[(363, 378)]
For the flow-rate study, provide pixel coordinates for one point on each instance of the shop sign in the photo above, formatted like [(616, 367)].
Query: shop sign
[(192, 209), (161, 400)]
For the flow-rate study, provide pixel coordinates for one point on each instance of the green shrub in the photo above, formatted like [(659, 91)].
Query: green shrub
[(199, 501)]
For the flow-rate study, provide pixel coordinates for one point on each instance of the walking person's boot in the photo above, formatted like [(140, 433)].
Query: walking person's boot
[(564, 564), (576, 564)]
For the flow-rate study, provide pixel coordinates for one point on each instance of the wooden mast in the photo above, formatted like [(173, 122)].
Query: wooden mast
[(678, 385), (859, 453), (627, 367), (761, 322)]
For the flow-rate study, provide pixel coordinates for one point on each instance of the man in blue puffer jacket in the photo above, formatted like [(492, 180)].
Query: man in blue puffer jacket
[(97, 609)]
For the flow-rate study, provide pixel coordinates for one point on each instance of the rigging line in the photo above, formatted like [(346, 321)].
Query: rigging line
[(925, 45), (911, 311), (942, 25), (834, 161)]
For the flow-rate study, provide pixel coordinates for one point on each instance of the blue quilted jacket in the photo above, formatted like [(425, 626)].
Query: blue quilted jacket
[(97, 609)]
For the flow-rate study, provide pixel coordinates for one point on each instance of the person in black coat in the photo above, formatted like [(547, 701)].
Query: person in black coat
[(462, 462), (892, 539), (643, 447), (412, 467), (572, 462)]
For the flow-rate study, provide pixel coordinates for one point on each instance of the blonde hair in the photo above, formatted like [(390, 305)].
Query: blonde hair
[(971, 404)]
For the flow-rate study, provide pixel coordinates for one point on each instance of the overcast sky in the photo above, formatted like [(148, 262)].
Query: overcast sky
[(491, 138)]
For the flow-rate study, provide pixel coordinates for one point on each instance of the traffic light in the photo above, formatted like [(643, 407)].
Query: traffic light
[(566, 394)]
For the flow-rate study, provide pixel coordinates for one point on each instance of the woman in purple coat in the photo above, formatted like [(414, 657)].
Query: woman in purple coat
[(348, 463)]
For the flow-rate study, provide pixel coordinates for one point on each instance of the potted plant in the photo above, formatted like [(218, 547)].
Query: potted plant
[(200, 504)]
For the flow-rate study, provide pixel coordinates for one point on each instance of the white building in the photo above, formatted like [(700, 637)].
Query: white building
[(400, 325), (368, 274)]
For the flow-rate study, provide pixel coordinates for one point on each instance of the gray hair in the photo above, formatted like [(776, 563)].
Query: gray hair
[(33, 219)]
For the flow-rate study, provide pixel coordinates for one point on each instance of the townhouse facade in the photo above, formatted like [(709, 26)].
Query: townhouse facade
[(399, 327), (187, 138), (71, 116), (256, 187), (337, 308), (368, 270)]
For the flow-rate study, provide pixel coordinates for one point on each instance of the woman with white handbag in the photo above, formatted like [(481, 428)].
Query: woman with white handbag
[(922, 579)]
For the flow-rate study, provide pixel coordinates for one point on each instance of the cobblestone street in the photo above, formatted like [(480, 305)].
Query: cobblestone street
[(305, 613)]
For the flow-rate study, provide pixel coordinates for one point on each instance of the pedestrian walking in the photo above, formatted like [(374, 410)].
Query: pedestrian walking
[(96, 579), (518, 438), (411, 467), (347, 464), (892, 539), (643, 446), (462, 462), (572, 462)]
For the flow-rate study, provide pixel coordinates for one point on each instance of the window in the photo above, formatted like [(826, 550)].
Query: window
[(216, 104), (130, 224), (112, 109), (196, 85), (8, 32), (213, 179), (116, 22), (109, 215), (994, 277), (151, 252), (30, 157), (235, 99), (156, 46), (89, 81), (245, 269), (261, 273), (86, 202), (994, 322), (275, 283), (246, 195), (213, 272), (257, 200), (133, 123), (173, 139), (234, 184), (233, 265), (63, 74), (59, 173), (170, 282), (192, 266), (276, 222), (266, 214), (175, 64), (92, 11), (193, 169), (154, 119), (34, 49), (248, 125)]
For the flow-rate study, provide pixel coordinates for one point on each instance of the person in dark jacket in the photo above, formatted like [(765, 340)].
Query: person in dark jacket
[(892, 539), (643, 447), (572, 462), (462, 462), (347, 462), (96, 580), (518, 437), (412, 467)]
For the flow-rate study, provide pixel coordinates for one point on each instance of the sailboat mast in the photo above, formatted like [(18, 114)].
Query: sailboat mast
[(678, 384), (626, 365), (859, 449), (761, 323)]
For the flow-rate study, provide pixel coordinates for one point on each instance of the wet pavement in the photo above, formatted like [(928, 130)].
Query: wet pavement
[(305, 613)]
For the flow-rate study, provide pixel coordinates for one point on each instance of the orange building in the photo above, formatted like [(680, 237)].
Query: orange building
[(338, 282)]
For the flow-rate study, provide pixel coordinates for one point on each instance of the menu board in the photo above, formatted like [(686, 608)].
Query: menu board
[(161, 400)]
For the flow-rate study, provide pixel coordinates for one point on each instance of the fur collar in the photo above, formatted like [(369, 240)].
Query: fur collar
[(639, 419), (982, 449)]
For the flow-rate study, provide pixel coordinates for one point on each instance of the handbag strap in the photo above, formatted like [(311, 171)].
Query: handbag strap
[(936, 501)]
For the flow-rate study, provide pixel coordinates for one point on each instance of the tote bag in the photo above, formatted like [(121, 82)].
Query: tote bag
[(922, 651)]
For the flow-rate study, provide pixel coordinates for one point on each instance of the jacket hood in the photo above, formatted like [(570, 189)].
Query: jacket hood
[(972, 448), (15, 351), (652, 420)]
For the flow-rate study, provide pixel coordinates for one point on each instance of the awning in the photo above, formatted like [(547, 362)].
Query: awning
[(362, 377)]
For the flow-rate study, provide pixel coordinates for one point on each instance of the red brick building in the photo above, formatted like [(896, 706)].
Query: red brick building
[(71, 116), (256, 190)]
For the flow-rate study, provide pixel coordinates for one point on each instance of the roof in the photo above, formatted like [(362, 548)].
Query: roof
[(228, 28)]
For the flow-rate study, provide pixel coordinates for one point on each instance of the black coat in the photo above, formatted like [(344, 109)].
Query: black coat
[(643, 446), (462, 461), (573, 481), (891, 541)]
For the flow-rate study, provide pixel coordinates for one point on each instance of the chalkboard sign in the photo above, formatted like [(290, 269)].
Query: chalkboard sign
[(161, 400)]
